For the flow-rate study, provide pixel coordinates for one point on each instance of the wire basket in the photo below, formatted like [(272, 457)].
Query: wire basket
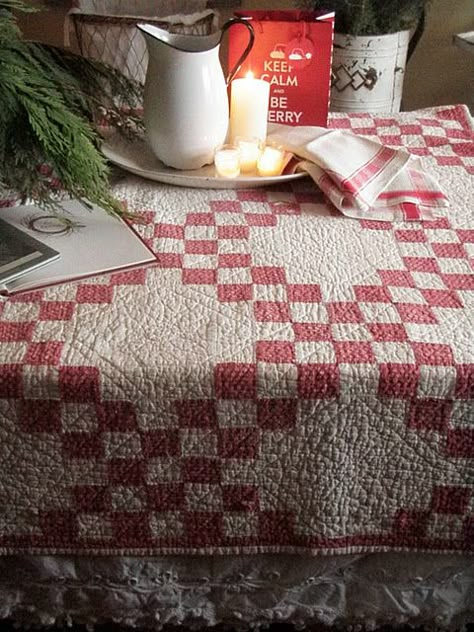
[(115, 40)]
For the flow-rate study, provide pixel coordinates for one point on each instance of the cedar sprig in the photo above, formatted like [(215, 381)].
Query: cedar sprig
[(52, 103)]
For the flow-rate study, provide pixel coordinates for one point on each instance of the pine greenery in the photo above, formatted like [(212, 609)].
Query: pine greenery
[(371, 17), (50, 101)]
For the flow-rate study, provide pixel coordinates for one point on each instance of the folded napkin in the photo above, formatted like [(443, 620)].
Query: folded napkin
[(361, 177)]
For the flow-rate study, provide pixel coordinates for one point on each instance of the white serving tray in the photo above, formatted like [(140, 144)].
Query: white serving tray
[(136, 157)]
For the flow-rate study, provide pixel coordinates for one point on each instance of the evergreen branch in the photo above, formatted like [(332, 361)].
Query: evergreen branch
[(51, 104)]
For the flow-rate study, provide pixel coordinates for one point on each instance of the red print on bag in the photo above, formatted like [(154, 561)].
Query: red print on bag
[(292, 51)]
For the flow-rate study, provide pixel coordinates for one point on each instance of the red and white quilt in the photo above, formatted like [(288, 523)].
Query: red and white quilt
[(285, 379)]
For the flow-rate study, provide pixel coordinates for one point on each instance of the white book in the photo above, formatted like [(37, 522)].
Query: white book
[(88, 242)]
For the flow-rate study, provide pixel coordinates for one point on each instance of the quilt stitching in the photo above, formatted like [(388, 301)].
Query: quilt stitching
[(214, 466)]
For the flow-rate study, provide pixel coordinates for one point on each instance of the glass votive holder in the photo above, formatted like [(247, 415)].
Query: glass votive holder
[(271, 160), (227, 161), (250, 150)]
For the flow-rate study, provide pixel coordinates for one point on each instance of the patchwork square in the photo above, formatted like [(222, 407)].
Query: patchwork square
[(129, 499), (235, 381), (202, 496), (94, 527), (277, 380), (166, 524), (273, 311), (232, 413), (240, 498), (450, 499), (234, 292), (279, 351), (318, 381), (276, 414), (195, 442), (200, 470), (122, 445), (238, 443), (234, 276), (429, 414)]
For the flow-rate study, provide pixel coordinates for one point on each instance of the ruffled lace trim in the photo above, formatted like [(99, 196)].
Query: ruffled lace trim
[(359, 591)]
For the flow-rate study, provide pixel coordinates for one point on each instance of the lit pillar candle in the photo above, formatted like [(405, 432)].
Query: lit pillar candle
[(249, 108), (270, 162), (227, 161)]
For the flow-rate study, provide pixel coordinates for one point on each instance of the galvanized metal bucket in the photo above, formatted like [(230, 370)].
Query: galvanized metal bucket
[(368, 72)]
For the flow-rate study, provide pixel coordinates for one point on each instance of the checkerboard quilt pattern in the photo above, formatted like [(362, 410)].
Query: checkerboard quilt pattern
[(285, 379)]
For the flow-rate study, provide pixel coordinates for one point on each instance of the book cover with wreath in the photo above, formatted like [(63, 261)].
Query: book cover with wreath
[(90, 242)]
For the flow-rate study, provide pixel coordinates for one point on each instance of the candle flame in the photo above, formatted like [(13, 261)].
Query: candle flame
[(249, 75)]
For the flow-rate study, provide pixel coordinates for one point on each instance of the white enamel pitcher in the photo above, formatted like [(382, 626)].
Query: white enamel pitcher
[(186, 107)]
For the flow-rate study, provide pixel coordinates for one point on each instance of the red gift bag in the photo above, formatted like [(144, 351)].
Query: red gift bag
[(293, 52)]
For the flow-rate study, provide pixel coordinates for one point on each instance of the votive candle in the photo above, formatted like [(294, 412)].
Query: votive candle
[(250, 150), (270, 162), (249, 108), (227, 161)]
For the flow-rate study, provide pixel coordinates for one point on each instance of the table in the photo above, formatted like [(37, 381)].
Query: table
[(285, 381)]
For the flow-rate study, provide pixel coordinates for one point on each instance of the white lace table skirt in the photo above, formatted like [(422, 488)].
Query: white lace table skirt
[(436, 591)]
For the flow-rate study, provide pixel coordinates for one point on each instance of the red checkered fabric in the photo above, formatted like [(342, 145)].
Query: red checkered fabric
[(361, 177), (285, 379)]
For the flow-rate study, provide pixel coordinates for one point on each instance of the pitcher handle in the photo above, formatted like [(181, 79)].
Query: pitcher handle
[(248, 48)]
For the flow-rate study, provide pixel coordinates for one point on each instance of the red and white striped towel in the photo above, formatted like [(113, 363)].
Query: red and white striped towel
[(361, 177)]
